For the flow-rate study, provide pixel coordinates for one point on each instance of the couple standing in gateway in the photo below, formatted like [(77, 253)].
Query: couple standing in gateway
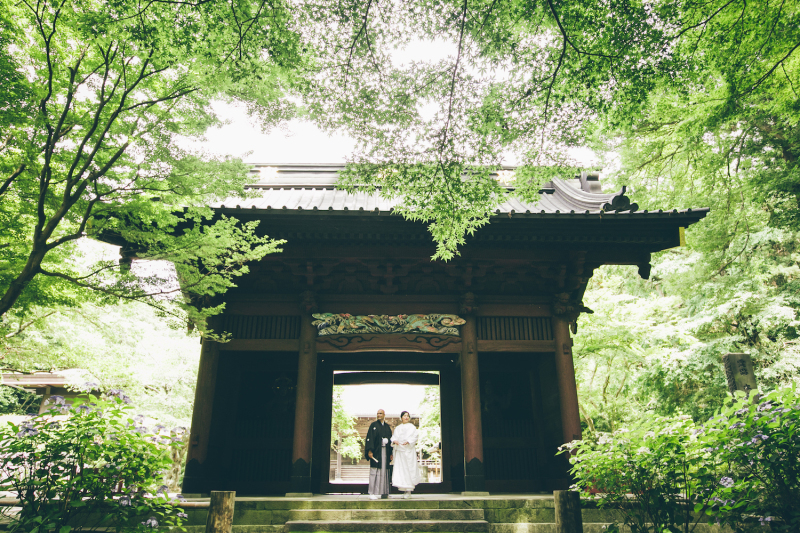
[(382, 446)]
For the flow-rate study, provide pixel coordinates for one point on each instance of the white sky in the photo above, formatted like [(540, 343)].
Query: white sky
[(392, 398), (302, 142), (298, 141)]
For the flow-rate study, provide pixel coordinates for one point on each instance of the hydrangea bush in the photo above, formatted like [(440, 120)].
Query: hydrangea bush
[(758, 444), (87, 466), (742, 465), (646, 476)]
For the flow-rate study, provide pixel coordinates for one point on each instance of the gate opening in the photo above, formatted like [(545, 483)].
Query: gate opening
[(357, 396)]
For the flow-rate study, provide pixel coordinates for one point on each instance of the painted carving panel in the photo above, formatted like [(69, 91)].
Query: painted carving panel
[(344, 323)]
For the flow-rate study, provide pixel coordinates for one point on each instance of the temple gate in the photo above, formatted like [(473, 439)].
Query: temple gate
[(261, 421)]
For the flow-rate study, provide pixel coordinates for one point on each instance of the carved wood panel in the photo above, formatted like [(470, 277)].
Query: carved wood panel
[(402, 277)]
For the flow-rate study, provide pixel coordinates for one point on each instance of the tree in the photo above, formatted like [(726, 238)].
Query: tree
[(430, 425), (534, 78), (125, 346), (345, 439), (99, 96)]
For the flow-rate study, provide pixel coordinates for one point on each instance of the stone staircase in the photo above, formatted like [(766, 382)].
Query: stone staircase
[(388, 515), (421, 513)]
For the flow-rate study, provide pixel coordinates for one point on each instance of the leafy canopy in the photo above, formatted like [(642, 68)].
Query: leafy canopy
[(100, 97), (672, 85)]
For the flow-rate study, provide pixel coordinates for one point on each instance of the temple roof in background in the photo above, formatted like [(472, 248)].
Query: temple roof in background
[(310, 188)]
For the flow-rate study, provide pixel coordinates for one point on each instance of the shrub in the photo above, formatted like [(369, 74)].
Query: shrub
[(652, 477), (758, 444), (743, 464), (86, 466)]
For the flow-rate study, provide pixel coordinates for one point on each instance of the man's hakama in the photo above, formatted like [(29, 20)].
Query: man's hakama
[(379, 477), (377, 443)]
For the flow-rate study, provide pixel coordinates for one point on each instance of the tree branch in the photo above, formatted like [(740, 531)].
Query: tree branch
[(22, 327), (355, 41), (446, 128), (14, 175), (770, 71)]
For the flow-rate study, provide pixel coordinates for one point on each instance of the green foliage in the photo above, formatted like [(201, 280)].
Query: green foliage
[(92, 468), (696, 96), (122, 346), (430, 429), (107, 93), (655, 346), (17, 401), (651, 477), (344, 435), (758, 442), (669, 474)]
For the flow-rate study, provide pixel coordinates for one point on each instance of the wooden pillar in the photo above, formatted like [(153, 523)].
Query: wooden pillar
[(569, 518), (304, 405), (471, 400), (567, 388), (220, 512), (195, 478)]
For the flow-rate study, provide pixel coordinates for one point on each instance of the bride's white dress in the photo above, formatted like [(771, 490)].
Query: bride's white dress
[(406, 474)]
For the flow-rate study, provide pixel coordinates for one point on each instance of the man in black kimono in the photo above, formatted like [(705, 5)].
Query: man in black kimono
[(378, 449)]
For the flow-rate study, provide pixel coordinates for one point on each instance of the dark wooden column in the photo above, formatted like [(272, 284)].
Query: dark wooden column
[(567, 388), (195, 478), (471, 400), (304, 410)]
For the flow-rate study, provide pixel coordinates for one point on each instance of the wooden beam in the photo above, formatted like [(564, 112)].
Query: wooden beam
[(409, 378), (513, 309), (260, 345), (517, 346), (383, 342)]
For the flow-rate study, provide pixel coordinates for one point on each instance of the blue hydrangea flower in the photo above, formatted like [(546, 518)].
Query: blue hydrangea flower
[(125, 500), (183, 515), (27, 430), (55, 399), (151, 522), (726, 482)]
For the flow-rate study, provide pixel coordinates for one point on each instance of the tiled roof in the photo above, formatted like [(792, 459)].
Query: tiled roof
[(310, 188)]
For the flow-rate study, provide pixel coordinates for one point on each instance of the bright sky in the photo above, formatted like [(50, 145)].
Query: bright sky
[(297, 142), (302, 142), (392, 398)]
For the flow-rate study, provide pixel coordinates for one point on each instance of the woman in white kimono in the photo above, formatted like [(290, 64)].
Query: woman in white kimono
[(405, 475)]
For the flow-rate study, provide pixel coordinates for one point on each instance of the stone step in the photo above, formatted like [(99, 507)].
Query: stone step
[(386, 514), (398, 526), (242, 529)]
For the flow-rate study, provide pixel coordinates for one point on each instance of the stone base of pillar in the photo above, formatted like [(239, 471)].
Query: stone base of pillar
[(301, 477), (299, 495), (474, 480)]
